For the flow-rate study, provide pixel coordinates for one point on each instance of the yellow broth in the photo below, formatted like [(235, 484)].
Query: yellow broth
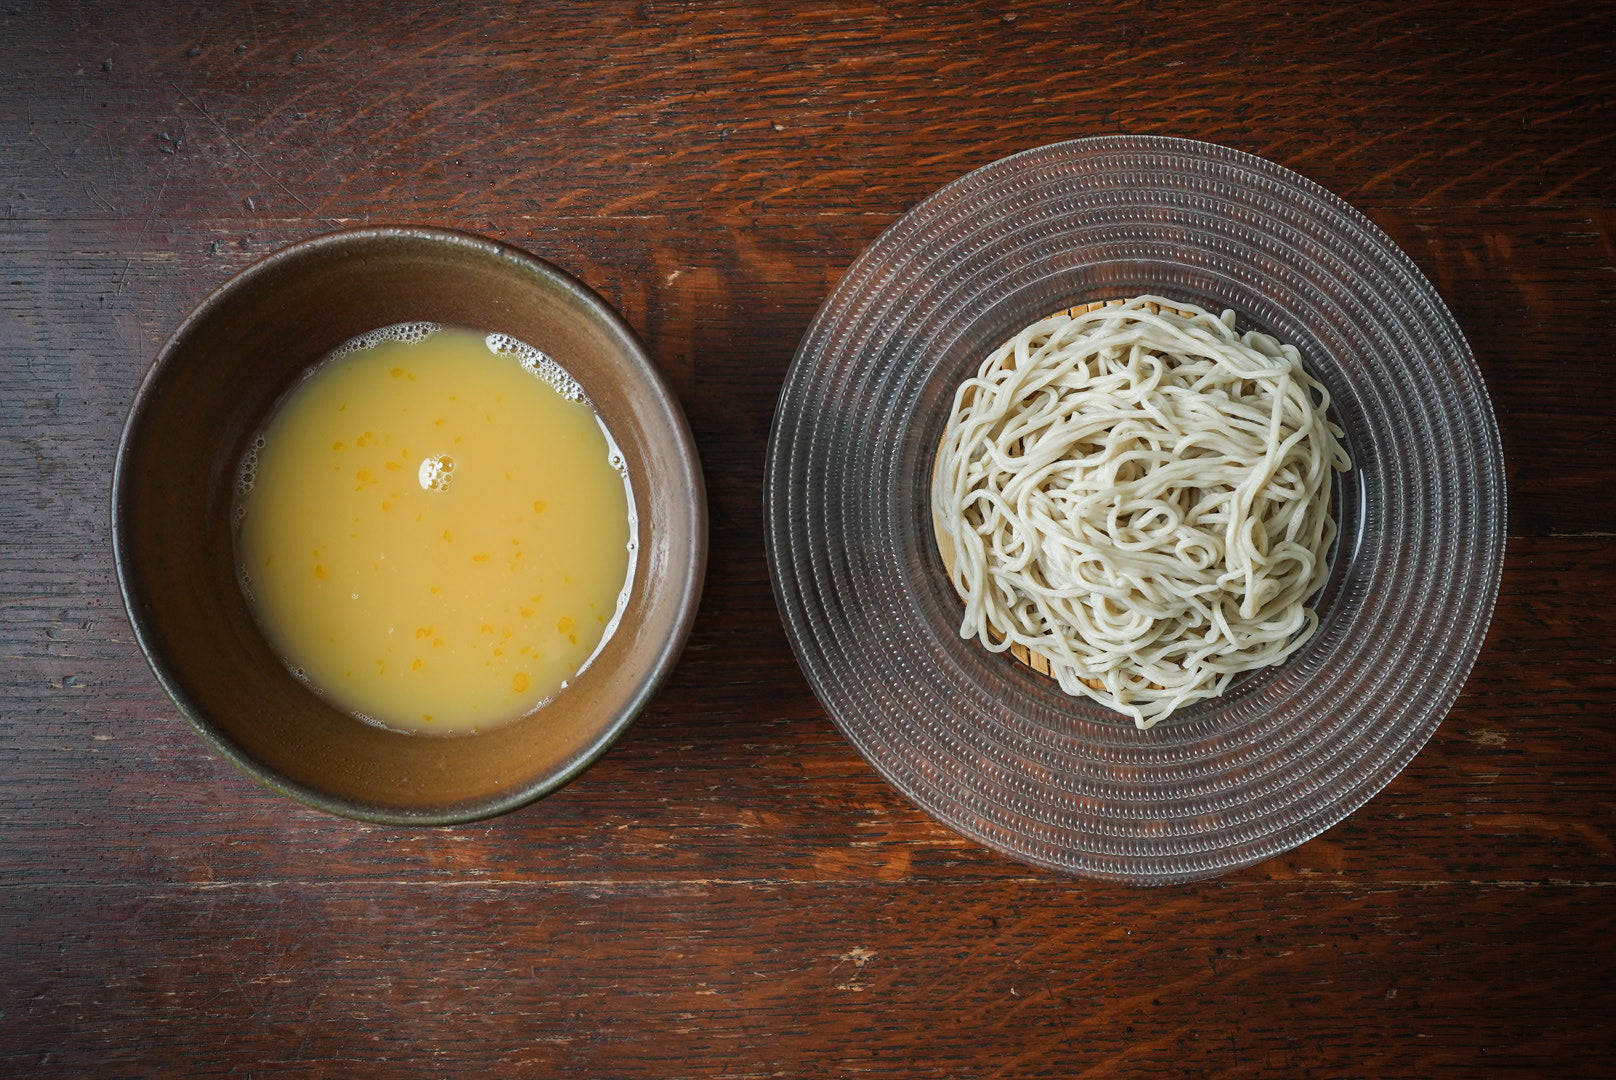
[(435, 529)]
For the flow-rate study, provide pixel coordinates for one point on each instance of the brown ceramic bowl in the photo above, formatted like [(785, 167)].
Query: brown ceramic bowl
[(213, 387)]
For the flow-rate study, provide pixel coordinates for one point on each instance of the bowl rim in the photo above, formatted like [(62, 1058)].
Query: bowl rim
[(692, 573)]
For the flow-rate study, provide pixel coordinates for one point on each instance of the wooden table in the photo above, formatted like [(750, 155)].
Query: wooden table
[(732, 891)]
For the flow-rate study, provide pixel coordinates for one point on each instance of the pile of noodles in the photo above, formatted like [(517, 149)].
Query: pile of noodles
[(1142, 497)]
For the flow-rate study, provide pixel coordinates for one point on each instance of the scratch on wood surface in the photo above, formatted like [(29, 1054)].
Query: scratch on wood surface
[(254, 162), (90, 190), (858, 956), (151, 212)]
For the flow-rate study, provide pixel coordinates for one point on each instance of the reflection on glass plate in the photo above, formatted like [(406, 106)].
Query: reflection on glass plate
[(995, 751)]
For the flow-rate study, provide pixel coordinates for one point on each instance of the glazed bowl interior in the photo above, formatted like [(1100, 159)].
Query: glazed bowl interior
[(210, 392)]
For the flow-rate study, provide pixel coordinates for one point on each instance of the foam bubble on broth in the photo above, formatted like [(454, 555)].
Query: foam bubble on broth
[(247, 471), (406, 333), (436, 472), (537, 363)]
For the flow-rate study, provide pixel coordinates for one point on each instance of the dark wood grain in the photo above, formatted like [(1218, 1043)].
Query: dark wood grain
[(702, 978), (732, 890)]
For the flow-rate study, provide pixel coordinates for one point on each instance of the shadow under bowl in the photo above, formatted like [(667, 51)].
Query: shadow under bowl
[(211, 391)]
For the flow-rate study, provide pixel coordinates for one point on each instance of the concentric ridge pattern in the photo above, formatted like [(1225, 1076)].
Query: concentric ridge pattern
[(996, 752)]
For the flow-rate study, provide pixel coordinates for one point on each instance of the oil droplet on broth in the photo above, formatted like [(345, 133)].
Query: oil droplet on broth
[(534, 473)]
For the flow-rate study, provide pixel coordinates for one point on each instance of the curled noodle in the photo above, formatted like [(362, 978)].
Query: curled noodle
[(1141, 497)]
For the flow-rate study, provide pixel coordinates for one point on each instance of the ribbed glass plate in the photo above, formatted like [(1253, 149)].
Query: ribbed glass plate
[(995, 751)]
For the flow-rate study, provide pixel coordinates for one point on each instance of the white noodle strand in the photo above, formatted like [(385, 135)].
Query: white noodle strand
[(1142, 498)]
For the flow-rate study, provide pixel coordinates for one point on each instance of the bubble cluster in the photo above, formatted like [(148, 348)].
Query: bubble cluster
[(247, 471), (412, 333), (436, 472), (537, 363), (615, 458)]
